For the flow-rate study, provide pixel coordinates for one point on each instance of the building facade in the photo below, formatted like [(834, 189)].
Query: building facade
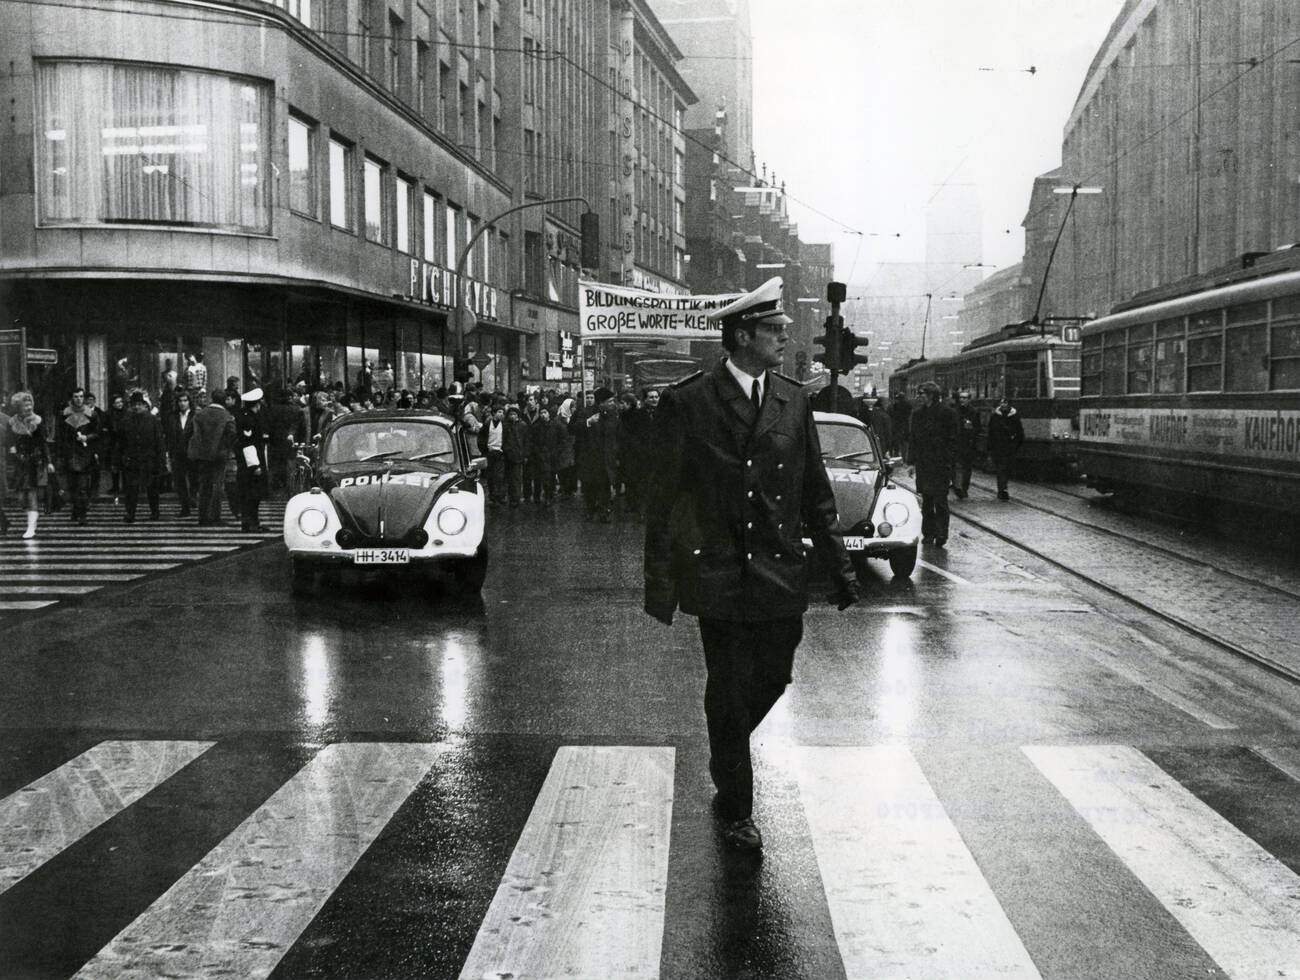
[(1185, 124), (283, 192)]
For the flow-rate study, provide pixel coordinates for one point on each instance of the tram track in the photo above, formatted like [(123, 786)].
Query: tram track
[(1146, 543), (1153, 608)]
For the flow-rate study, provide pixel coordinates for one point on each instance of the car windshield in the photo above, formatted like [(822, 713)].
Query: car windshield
[(357, 442), (840, 441)]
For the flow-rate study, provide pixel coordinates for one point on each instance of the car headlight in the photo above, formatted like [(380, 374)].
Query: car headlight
[(896, 513), (312, 522), (451, 521)]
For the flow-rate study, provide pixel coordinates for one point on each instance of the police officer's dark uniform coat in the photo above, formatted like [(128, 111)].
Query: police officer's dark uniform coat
[(729, 498), (934, 447)]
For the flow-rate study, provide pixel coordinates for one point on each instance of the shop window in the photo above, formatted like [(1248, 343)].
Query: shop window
[(142, 144), (373, 194), (1285, 360), (1205, 363), (341, 185), (1245, 362), (302, 166), (402, 208)]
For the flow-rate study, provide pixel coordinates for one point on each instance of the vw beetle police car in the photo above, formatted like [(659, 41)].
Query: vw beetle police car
[(392, 488), (878, 518)]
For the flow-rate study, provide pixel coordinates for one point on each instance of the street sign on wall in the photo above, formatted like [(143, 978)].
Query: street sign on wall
[(45, 356)]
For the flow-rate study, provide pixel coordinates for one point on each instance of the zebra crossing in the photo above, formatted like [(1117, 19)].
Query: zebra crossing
[(68, 561), (593, 852)]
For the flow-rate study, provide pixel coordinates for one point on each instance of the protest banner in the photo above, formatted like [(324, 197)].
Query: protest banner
[(607, 312)]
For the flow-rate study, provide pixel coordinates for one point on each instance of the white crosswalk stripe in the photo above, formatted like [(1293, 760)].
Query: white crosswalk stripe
[(906, 897), (586, 888), (54, 812), (66, 561), (1234, 898), (240, 908), (583, 895)]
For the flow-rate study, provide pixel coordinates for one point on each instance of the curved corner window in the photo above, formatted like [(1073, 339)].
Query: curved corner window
[(142, 144)]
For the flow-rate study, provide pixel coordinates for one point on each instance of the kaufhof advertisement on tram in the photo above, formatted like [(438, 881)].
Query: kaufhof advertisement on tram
[(1249, 433)]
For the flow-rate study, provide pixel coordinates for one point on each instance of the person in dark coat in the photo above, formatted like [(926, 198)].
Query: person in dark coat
[(968, 437), (638, 430), (600, 456), (933, 448), (77, 440), (538, 430), (514, 447), (900, 415), (252, 465), (116, 424), (1006, 435), (144, 456), (284, 426), (882, 425), (179, 428), (737, 475), (28, 447), (209, 445), (566, 469)]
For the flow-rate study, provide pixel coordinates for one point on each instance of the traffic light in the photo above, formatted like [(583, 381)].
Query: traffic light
[(849, 355), (830, 344), (590, 240)]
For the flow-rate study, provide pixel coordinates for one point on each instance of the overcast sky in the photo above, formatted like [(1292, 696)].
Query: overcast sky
[(866, 107)]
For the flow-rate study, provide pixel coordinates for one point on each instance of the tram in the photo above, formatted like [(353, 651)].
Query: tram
[(1193, 390), (1038, 371)]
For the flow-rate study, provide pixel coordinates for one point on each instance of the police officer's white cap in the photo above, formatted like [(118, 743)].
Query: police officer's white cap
[(255, 395), (763, 305)]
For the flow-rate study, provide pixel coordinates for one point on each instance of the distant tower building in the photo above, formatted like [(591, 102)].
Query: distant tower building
[(717, 49)]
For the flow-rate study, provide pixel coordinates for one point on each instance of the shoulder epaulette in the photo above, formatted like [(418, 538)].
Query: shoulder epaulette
[(687, 380)]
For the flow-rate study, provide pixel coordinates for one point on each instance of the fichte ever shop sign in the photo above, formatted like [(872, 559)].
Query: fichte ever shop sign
[(436, 286)]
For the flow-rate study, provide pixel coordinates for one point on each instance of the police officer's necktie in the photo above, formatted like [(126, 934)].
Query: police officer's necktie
[(756, 397)]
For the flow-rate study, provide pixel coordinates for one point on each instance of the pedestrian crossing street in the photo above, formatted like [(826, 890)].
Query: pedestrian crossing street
[(590, 878), (66, 561)]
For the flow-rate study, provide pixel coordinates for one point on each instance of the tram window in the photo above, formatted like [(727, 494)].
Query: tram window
[(1112, 371), (1205, 363), (1171, 361), (1247, 313), (1139, 368), (1245, 365), (1285, 365), (1286, 306), (1091, 356), (1205, 321), (1170, 328), (1022, 378)]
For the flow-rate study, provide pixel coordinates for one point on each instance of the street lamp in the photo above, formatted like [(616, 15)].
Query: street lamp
[(1074, 191), (461, 294)]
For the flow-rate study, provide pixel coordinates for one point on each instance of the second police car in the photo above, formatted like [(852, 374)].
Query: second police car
[(878, 518), (393, 489)]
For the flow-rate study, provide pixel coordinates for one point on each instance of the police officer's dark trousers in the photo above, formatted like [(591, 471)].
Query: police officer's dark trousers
[(749, 665)]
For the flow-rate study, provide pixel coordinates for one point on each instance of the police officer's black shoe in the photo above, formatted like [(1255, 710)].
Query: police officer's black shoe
[(1003, 495), (940, 542), (743, 835)]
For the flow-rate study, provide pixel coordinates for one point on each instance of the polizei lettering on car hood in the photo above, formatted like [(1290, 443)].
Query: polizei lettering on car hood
[(386, 505)]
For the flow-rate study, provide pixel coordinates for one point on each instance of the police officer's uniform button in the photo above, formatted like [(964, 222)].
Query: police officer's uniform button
[(696, 551), (749, 556), (749, 462), (777, 555), (750, 494), (750, 525), (780, 466)]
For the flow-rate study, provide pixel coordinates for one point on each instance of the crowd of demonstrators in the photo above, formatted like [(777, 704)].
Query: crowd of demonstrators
[(237, 446)]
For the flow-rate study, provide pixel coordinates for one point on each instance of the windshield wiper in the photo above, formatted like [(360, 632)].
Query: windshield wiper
[(391, 452), (440, 452), (865, 452)]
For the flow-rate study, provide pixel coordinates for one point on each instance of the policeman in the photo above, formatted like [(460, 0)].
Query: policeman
[(250, 459), (736, 475)]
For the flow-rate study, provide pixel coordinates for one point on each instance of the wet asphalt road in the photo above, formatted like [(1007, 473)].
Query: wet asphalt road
[(983, 654)]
